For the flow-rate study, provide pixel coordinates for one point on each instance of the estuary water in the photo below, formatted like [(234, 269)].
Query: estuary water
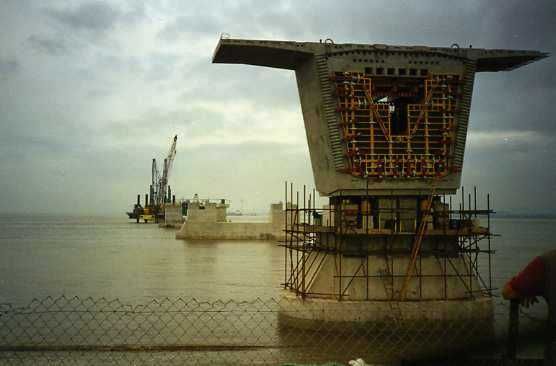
[(107, 257), (111, 257)]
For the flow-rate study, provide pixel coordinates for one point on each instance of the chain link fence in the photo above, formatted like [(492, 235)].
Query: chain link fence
[(87, 331)]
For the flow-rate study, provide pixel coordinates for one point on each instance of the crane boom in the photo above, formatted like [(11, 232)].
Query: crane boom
[(155, 182), (154, 173), (170, 158), (163, 181)]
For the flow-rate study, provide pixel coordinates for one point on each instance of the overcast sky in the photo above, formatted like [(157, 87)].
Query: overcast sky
[(91, 91)]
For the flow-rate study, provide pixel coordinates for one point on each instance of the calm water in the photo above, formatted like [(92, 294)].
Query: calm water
[(113, 258), (86, 256), (91, 256)]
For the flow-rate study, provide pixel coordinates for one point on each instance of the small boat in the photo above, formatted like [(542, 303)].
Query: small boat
[(136, 213), (132, 215)]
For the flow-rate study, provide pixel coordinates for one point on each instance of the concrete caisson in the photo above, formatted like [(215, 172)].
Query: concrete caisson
[(207, 220)]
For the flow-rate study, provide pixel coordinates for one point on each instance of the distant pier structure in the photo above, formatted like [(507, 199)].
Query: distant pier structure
[(207, 219), (386, 128)]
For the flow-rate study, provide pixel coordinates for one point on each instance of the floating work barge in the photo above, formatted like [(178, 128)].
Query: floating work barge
[(160, 193), (386, 128)]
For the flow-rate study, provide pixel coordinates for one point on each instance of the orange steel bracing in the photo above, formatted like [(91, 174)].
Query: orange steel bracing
[(416, 248), (397, 127)]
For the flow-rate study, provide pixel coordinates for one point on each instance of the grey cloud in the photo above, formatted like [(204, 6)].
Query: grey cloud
[(189, 25), (92, 16), (165, 121), (518, 100), (8, 67), (519, 180), (114, 62), (196, 170), (137, 12), (522, 99), (266, 88), (105, 111), (98, 93), (46, 45), (311, 20), (520, 24), (161, 66), (242, 18), (155, 66), (24, 138)]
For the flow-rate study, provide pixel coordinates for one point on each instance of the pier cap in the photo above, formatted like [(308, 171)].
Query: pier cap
[(381, 119), (290, 54)]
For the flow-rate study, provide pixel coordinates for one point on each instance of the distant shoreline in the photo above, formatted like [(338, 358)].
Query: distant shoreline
[(505, 215), (497, 215)]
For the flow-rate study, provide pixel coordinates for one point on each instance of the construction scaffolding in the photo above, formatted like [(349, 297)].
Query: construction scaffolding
[(393, 228)]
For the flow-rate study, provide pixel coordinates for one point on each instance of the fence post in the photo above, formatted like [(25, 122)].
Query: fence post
[(513, 330)]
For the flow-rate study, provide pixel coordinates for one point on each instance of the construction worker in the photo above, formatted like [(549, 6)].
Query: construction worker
[(538, 278)]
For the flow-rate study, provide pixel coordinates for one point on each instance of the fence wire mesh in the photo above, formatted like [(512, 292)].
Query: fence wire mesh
[(181, 331)]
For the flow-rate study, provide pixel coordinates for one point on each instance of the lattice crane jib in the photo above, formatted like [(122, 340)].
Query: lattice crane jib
[(166, 169)]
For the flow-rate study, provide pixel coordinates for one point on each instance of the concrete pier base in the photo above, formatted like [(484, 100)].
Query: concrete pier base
[(386, 330), (313, 312)]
